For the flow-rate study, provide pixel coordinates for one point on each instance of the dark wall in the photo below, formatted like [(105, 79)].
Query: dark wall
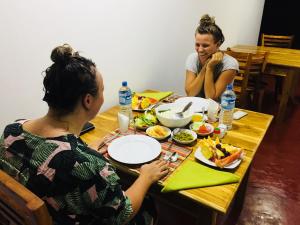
[(281, 18)]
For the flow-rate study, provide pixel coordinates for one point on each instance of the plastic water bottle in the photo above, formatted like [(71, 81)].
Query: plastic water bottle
[(125, 100), (227, 107)]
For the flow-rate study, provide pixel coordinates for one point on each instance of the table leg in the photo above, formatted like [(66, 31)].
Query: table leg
[(214, 218), (288, 82), (295, 85)]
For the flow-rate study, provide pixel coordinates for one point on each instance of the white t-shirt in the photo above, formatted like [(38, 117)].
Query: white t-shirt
[(228, 63)]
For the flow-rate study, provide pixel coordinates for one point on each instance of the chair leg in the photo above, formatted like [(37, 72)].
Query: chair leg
[(278, 88), (260, 99)]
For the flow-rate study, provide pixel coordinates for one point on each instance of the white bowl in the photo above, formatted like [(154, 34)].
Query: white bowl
[(168, 118), (187, 131)]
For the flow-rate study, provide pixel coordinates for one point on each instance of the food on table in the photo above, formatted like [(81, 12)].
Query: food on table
[(157, 131), (206, 152), (197, 117), (183, 136), (229, 159), (219, 153), (202, 128), (145, 120), (142, 103)]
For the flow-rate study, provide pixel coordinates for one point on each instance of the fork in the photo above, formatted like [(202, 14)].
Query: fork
[(180, 114), (108, 140)]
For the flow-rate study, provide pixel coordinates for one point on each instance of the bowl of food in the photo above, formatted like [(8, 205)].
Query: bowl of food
[(201, 128), (158, 132), (184, 136), (166, 114), (145, 120), (199, 117)]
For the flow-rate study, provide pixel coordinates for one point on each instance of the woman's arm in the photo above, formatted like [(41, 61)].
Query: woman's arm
[(149, 174), (194, 82), (214, 90)]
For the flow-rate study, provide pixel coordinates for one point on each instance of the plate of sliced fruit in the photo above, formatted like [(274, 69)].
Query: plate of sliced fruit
[(201, 128), (141, 103), (217, 154)]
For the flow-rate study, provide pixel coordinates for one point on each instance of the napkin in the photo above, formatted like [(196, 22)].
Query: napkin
[(156, 95), (193, 175)]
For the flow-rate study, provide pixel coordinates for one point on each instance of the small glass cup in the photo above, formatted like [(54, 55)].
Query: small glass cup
[(123, 122), (212, 110)]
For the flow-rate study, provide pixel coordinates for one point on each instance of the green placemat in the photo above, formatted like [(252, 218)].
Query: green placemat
[(193, 175)]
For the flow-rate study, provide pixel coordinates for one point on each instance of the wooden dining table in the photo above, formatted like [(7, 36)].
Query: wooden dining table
[(206, 205), (285, 57)]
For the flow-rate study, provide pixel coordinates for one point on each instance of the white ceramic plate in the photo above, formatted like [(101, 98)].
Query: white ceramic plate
[(199, 155), (134, 149), (207, 125), (198, 103)]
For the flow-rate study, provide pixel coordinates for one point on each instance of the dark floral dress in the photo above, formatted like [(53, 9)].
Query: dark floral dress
[(78, 185)]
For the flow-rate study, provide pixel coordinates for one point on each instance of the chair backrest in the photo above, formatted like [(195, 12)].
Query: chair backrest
[(280, 41), (258, 64), (20, 206), (241, 78)]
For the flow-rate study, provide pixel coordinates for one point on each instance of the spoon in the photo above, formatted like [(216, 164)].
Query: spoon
[(180, 114)]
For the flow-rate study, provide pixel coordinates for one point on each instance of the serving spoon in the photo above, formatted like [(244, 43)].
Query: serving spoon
[(180, 114)]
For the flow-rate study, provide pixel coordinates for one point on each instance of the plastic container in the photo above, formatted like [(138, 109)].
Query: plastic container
[(125, 100), (223, 129), (227, 107), (216, 133)]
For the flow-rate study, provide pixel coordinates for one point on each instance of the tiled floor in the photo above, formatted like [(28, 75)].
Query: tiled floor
[(273, 193)]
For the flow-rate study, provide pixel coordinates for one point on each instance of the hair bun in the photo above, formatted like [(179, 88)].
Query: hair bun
[(206, 20), (62, 54)]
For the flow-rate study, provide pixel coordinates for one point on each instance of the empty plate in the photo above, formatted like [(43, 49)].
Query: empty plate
[(134, 149)]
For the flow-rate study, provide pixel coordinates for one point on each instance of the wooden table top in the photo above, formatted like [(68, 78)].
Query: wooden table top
[(248, 132), (277, 56)]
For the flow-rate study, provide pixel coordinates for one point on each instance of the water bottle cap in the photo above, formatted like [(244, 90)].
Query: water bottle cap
[(124, 83), (229, 86)]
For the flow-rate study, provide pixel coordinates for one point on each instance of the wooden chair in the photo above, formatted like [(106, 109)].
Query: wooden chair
[(19, 206), (256, 85), (252, 90), (241, 78), (279, 41), (278, 72)]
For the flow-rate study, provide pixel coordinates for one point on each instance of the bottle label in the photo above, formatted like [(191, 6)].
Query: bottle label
[(228, 103), (125, 97)]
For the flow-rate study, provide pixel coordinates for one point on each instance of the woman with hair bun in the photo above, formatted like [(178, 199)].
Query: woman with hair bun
[(208, 70), (78, 185)]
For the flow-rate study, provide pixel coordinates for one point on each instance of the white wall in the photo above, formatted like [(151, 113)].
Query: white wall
[(144, 42)]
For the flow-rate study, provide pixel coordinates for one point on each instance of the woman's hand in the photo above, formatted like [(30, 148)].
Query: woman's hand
[(215, 59), (155, 170)]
